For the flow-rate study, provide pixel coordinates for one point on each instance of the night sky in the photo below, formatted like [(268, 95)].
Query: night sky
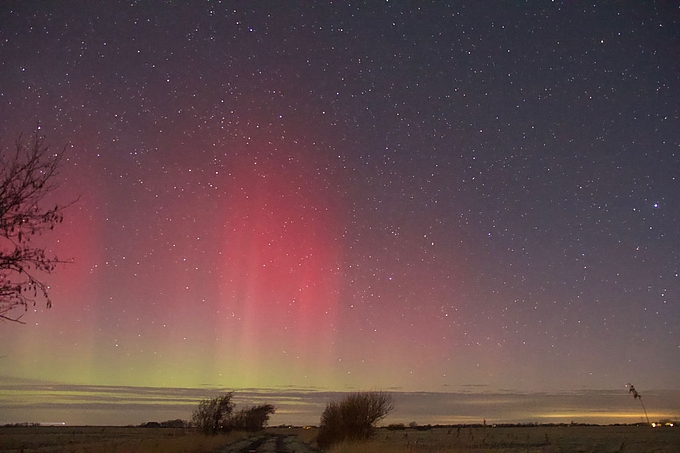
[(410, 196)]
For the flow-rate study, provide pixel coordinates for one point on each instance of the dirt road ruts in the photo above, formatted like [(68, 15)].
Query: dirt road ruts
[(268, 443)]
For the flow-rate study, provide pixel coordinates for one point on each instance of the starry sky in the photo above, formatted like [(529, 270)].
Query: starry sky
[(411, 196)]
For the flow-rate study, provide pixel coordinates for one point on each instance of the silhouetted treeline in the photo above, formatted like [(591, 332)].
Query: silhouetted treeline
[(178, 423)]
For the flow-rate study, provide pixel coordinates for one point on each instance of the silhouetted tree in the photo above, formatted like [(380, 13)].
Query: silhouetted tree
[(217, 414), (27, 175), (214, 415), (254, 418), (353, 418), (176, 423)]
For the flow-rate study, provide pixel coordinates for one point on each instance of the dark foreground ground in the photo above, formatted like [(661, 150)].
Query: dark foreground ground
[(536, 439), (526, 439), (271, 443), (111, 439)]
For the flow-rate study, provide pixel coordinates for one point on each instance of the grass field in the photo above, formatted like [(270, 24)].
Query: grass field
[(544, 439), (109, 439)]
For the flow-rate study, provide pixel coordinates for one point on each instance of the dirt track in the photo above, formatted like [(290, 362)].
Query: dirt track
[(268, 443)]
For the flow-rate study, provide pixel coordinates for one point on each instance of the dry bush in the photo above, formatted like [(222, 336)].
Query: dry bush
[(353, 418), (214, 415), (253, 418)]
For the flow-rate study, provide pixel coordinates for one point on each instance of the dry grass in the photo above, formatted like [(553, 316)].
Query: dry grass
[(601, 439), (610, 439), (307, 436), (110, 440)]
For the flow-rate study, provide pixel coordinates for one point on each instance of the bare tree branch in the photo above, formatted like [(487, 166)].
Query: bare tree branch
[(27, 176)]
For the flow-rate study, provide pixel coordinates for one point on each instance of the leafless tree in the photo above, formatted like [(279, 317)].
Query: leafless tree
[(353, 418), (214, 415), (217, 415), (253, 418), (27, 176)]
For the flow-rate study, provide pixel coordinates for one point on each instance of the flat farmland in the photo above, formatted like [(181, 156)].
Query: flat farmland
[(110, 439), (524, 439)]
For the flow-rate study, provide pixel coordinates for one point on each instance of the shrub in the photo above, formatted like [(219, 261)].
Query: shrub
[(396, 427), (252, 419), (177, 423), (213, 415), (217, 415), (353, 418)]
